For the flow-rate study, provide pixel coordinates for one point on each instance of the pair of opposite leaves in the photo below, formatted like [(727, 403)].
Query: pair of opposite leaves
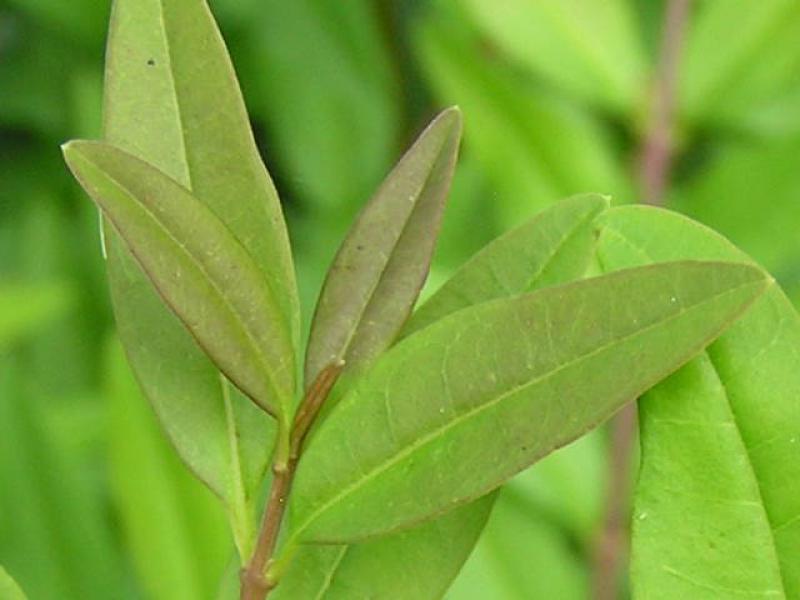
[(237, 191)]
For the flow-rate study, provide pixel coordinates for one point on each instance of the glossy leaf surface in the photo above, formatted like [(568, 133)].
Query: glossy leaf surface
[(503, 384), (717, 509), (198, 268), (384, 260), (187, 118)]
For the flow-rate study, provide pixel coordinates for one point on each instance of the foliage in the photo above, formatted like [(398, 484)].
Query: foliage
[(86, 475)]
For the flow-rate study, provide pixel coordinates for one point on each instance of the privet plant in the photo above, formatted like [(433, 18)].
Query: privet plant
[(366, 465)]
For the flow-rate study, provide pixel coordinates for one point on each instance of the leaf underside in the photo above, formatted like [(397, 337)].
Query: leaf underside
[(554, 247), (383, 262), (471, 400), (197, 266), (191, 123)]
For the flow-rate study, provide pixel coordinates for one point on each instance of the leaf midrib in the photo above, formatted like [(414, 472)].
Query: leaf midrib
[(559, 246), (646, 254), (437, 432), (174, 88), (379, 280), (199, 265), (328, 582), (752, 471)]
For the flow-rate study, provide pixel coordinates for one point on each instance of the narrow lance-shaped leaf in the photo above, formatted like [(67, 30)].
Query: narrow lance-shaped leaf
[(554, 247), (452, 412), (717, 505), (187, 118), (382, 264), (197, 266)]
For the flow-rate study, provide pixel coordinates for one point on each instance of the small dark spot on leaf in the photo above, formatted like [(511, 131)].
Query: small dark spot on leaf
[(359, 247), (151, 63)]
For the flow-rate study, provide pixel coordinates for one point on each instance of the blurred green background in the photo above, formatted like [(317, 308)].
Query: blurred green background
[(556, 96)]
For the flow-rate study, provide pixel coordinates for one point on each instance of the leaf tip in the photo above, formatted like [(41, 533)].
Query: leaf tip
[(450, 118)]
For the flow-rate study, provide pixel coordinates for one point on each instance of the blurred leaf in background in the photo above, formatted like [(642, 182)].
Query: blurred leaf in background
[(556, 98)]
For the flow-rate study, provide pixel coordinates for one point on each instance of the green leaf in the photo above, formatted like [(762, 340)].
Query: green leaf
[(24, 308), (9, 590), (717, 510), (725, 83), (534, 146), (187, 118), (384, 260), (419, 563), (451, 412), (589, 49), (175, 530), (553, 247), (199, 269)]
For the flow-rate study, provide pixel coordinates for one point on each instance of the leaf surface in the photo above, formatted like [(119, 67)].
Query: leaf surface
[(553, 247), (451, 412), (198, 268), (384, 260), (187, 118), (717, 507), (419, 563)]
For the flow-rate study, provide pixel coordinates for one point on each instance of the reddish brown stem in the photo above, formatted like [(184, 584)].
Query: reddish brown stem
[(658, 145), (612, 546), (255, 583), (655, 168)]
